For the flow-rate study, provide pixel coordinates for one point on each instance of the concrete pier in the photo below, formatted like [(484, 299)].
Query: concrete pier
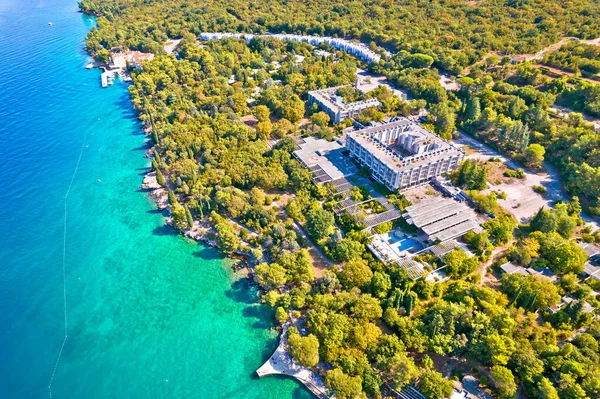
[(282, 363)]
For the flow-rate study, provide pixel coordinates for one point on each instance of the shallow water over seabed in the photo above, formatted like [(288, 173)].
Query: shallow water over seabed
[(150, 314)]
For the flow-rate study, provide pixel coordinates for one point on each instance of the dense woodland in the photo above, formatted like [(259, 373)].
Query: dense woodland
[(214, 112)]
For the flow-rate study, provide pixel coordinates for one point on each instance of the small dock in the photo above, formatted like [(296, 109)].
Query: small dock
[(107, 78), (282, 363), (104, 79)]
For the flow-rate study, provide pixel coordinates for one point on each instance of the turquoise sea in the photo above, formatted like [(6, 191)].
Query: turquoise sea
[(150, 315)]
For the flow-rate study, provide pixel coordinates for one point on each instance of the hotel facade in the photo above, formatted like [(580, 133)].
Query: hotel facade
[(402, 154)]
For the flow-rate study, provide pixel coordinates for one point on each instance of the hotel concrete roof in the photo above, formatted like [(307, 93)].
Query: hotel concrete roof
[(455, 231), (313, 153), (592, 270), (392, 157), (435, 211)]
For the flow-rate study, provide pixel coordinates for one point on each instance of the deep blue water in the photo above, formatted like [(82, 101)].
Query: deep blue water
[(150, 315)]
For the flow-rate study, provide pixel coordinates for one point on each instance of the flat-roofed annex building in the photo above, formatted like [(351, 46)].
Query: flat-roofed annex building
[(334, 105), (402, 154), (442, 219)]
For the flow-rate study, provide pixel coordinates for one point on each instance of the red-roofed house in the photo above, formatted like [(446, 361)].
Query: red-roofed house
[(134, 58)]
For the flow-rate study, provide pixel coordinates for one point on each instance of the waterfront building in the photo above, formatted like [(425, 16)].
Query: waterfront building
[(402, 154), (134, 58), (335, 106)]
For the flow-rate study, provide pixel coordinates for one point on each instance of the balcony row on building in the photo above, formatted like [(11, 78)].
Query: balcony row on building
[(402, 154), (335, 106)]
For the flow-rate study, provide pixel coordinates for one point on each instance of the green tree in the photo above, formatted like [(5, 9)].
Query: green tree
[(381, 284), (546, 390), (473, 111), (534, 155), (227, 240), (264, 129), (301, 270), (188, 217), (280, 314), (530, 292), (262, 113), (366, 308), (179, 218), (160, 179), (344, 386), (526, 364), (563, 256), (434, 386), (304, 349), (445, 119), (355, 273), (418, 61), (347, 249), (283, 127), (293, 109), (320, 119), (504, 382), (500, 348), (172, 198), (319, 223), (270, 276), (459, 263)]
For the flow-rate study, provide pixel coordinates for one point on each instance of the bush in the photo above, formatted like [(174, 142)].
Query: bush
[(519, 174), (540, 189)]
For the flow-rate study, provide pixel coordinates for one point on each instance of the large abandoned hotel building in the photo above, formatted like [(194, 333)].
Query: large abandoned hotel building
[(335, 106), (402, 154)]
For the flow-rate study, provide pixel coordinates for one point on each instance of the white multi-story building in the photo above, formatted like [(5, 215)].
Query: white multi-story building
[(334, 105), (402, 154), (357, 49)]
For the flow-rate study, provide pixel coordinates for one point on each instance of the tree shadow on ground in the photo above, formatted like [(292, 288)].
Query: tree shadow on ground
[(208, 253), (155, 211), (164, 230), (263, 316), (242, 292), (124, 103)]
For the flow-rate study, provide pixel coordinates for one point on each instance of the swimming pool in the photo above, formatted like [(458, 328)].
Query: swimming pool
[(399, 242)]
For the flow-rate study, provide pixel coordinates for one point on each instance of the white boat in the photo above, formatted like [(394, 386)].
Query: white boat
[(50, 23), (89, 66)]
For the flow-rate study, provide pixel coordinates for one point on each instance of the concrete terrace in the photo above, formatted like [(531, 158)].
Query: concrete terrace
[(281, 363)]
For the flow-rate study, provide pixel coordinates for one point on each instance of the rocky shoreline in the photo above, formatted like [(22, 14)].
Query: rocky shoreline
[(202, 231)]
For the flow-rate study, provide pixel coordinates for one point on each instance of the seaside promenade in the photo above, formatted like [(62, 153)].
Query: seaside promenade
[(282, 363)]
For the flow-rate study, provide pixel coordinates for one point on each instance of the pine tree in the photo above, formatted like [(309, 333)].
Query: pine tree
[(473, 112), (173, 199), (188, 216), (157, 157), (408, 304), (160, 179), (155, 137)]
